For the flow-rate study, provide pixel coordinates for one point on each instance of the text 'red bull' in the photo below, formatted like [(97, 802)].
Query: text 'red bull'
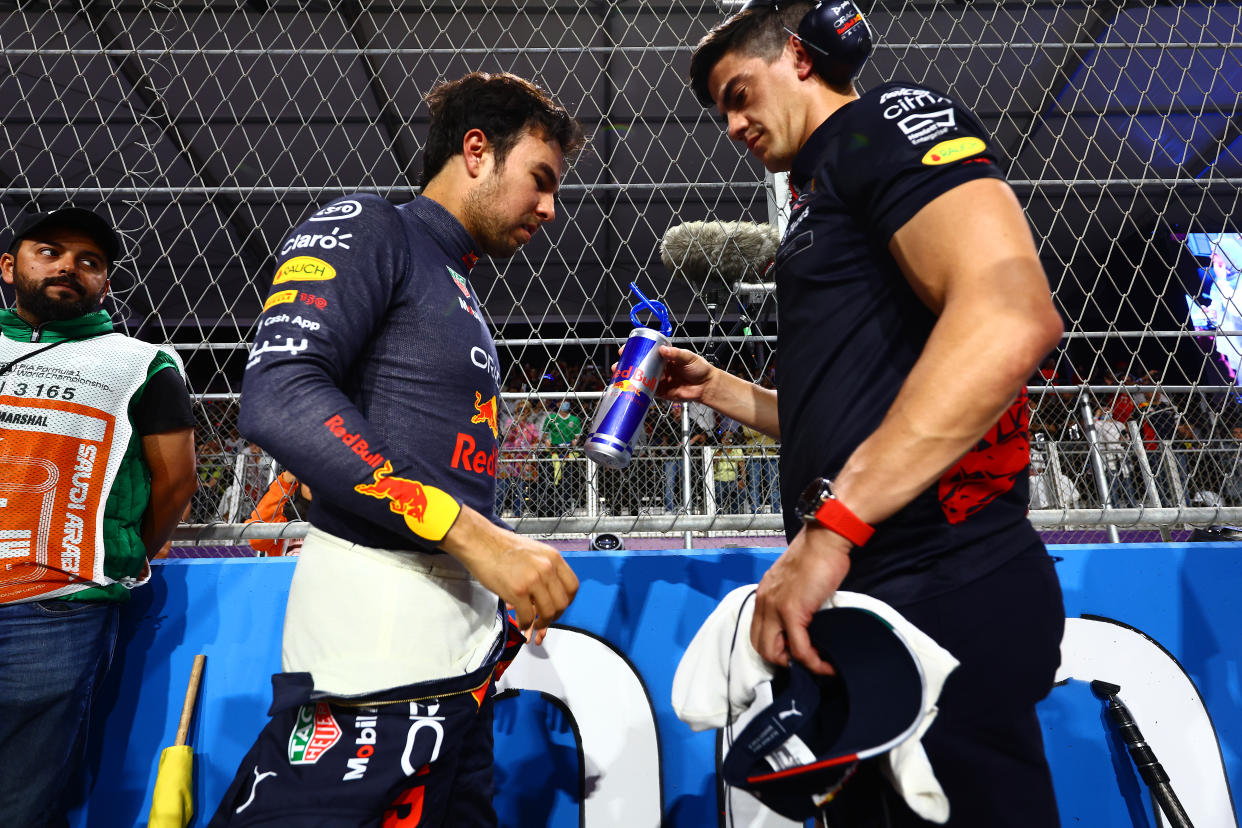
[(487, 413), (336, 424), (429, 512)]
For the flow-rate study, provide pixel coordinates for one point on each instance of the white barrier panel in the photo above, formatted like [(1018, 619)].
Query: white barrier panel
[(1165, 705), (615, 722)]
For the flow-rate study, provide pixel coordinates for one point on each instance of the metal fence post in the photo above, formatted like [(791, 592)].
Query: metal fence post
[(1149, 480), (591, 476), (687, 536), (1170, 461), (239, 484), (1054, 467), (709, 480), (1097, 464)]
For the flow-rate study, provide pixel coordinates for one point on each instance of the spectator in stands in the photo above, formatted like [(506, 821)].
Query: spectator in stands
[(212, 477), (121, 489), (1114, 444), (592, 379), (762, 474), (1195, 466), (1159, 422), (702, 419), (1231, 487), (727, 472), (516, 470), (561, 430), (1122, 403), (666, 436), (284, 500)]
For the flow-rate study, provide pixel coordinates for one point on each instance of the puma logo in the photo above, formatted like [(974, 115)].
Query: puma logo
[(258, 777)]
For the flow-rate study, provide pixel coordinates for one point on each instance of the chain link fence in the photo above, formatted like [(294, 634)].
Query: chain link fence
[(206, 132)]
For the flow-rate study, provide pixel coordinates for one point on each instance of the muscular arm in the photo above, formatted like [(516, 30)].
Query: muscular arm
[(689, 377), (170, 456), (970, 257)]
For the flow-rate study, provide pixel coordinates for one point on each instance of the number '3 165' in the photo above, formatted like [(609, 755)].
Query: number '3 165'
[(26, 389)]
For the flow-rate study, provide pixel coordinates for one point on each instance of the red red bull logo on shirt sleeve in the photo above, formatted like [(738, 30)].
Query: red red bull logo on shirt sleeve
[(429, 512), (360, 447), (314, 734), (486, 413)]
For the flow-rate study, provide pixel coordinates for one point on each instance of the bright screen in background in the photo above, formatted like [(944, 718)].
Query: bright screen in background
[(1217, 306)]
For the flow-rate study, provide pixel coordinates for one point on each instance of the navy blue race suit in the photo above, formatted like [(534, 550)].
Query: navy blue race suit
[(373, 376), (375, 380)]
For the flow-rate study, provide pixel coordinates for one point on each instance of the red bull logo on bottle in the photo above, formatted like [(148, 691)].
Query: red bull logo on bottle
[(625, 402)]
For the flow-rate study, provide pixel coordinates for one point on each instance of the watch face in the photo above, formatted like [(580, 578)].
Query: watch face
[(812, 498)]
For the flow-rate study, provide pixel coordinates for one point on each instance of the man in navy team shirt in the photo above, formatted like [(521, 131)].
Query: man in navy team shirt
[(375, 380), (912, 309)]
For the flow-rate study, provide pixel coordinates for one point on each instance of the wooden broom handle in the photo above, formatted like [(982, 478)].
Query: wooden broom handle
[(191, 693)]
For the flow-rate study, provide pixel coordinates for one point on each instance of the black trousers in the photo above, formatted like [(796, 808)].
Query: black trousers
[(986, 746)]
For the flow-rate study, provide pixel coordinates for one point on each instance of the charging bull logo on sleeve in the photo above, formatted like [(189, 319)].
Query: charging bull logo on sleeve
[(429, 512), (314, 734), (486, 413)]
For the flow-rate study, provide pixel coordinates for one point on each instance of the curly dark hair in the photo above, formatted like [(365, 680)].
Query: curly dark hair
[(503, 106)]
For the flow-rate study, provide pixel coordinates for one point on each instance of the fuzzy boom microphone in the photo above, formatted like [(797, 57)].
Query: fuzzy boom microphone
[(716, 256)]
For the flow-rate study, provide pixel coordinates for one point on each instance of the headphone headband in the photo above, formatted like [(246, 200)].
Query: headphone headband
[(839, 37)]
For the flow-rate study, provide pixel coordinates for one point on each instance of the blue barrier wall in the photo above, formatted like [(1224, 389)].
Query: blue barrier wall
[(647, 606)]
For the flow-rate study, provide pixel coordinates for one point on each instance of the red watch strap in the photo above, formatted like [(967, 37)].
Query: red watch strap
[(835, 515)]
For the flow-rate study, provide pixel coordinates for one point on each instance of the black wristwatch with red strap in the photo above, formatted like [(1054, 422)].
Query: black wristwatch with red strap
[(819, 505)]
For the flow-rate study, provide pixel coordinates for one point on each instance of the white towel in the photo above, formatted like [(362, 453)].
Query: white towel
[(720, 672)]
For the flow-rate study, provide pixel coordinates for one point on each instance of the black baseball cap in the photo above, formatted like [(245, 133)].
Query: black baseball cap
[(77, 218), (800, 751)]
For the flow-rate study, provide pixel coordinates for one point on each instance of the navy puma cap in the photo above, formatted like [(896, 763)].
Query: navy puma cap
[(799, 752)]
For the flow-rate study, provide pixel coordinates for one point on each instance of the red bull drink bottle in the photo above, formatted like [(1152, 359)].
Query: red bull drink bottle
[(628, 396)]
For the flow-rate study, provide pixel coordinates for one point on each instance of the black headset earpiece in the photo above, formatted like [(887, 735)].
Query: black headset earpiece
[(837, 35)]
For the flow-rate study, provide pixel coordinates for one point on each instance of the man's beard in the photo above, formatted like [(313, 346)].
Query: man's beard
[(34, 299), (490, 232)]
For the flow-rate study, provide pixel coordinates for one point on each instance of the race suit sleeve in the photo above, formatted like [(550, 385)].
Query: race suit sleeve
[(334, 285), (904, 147)]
